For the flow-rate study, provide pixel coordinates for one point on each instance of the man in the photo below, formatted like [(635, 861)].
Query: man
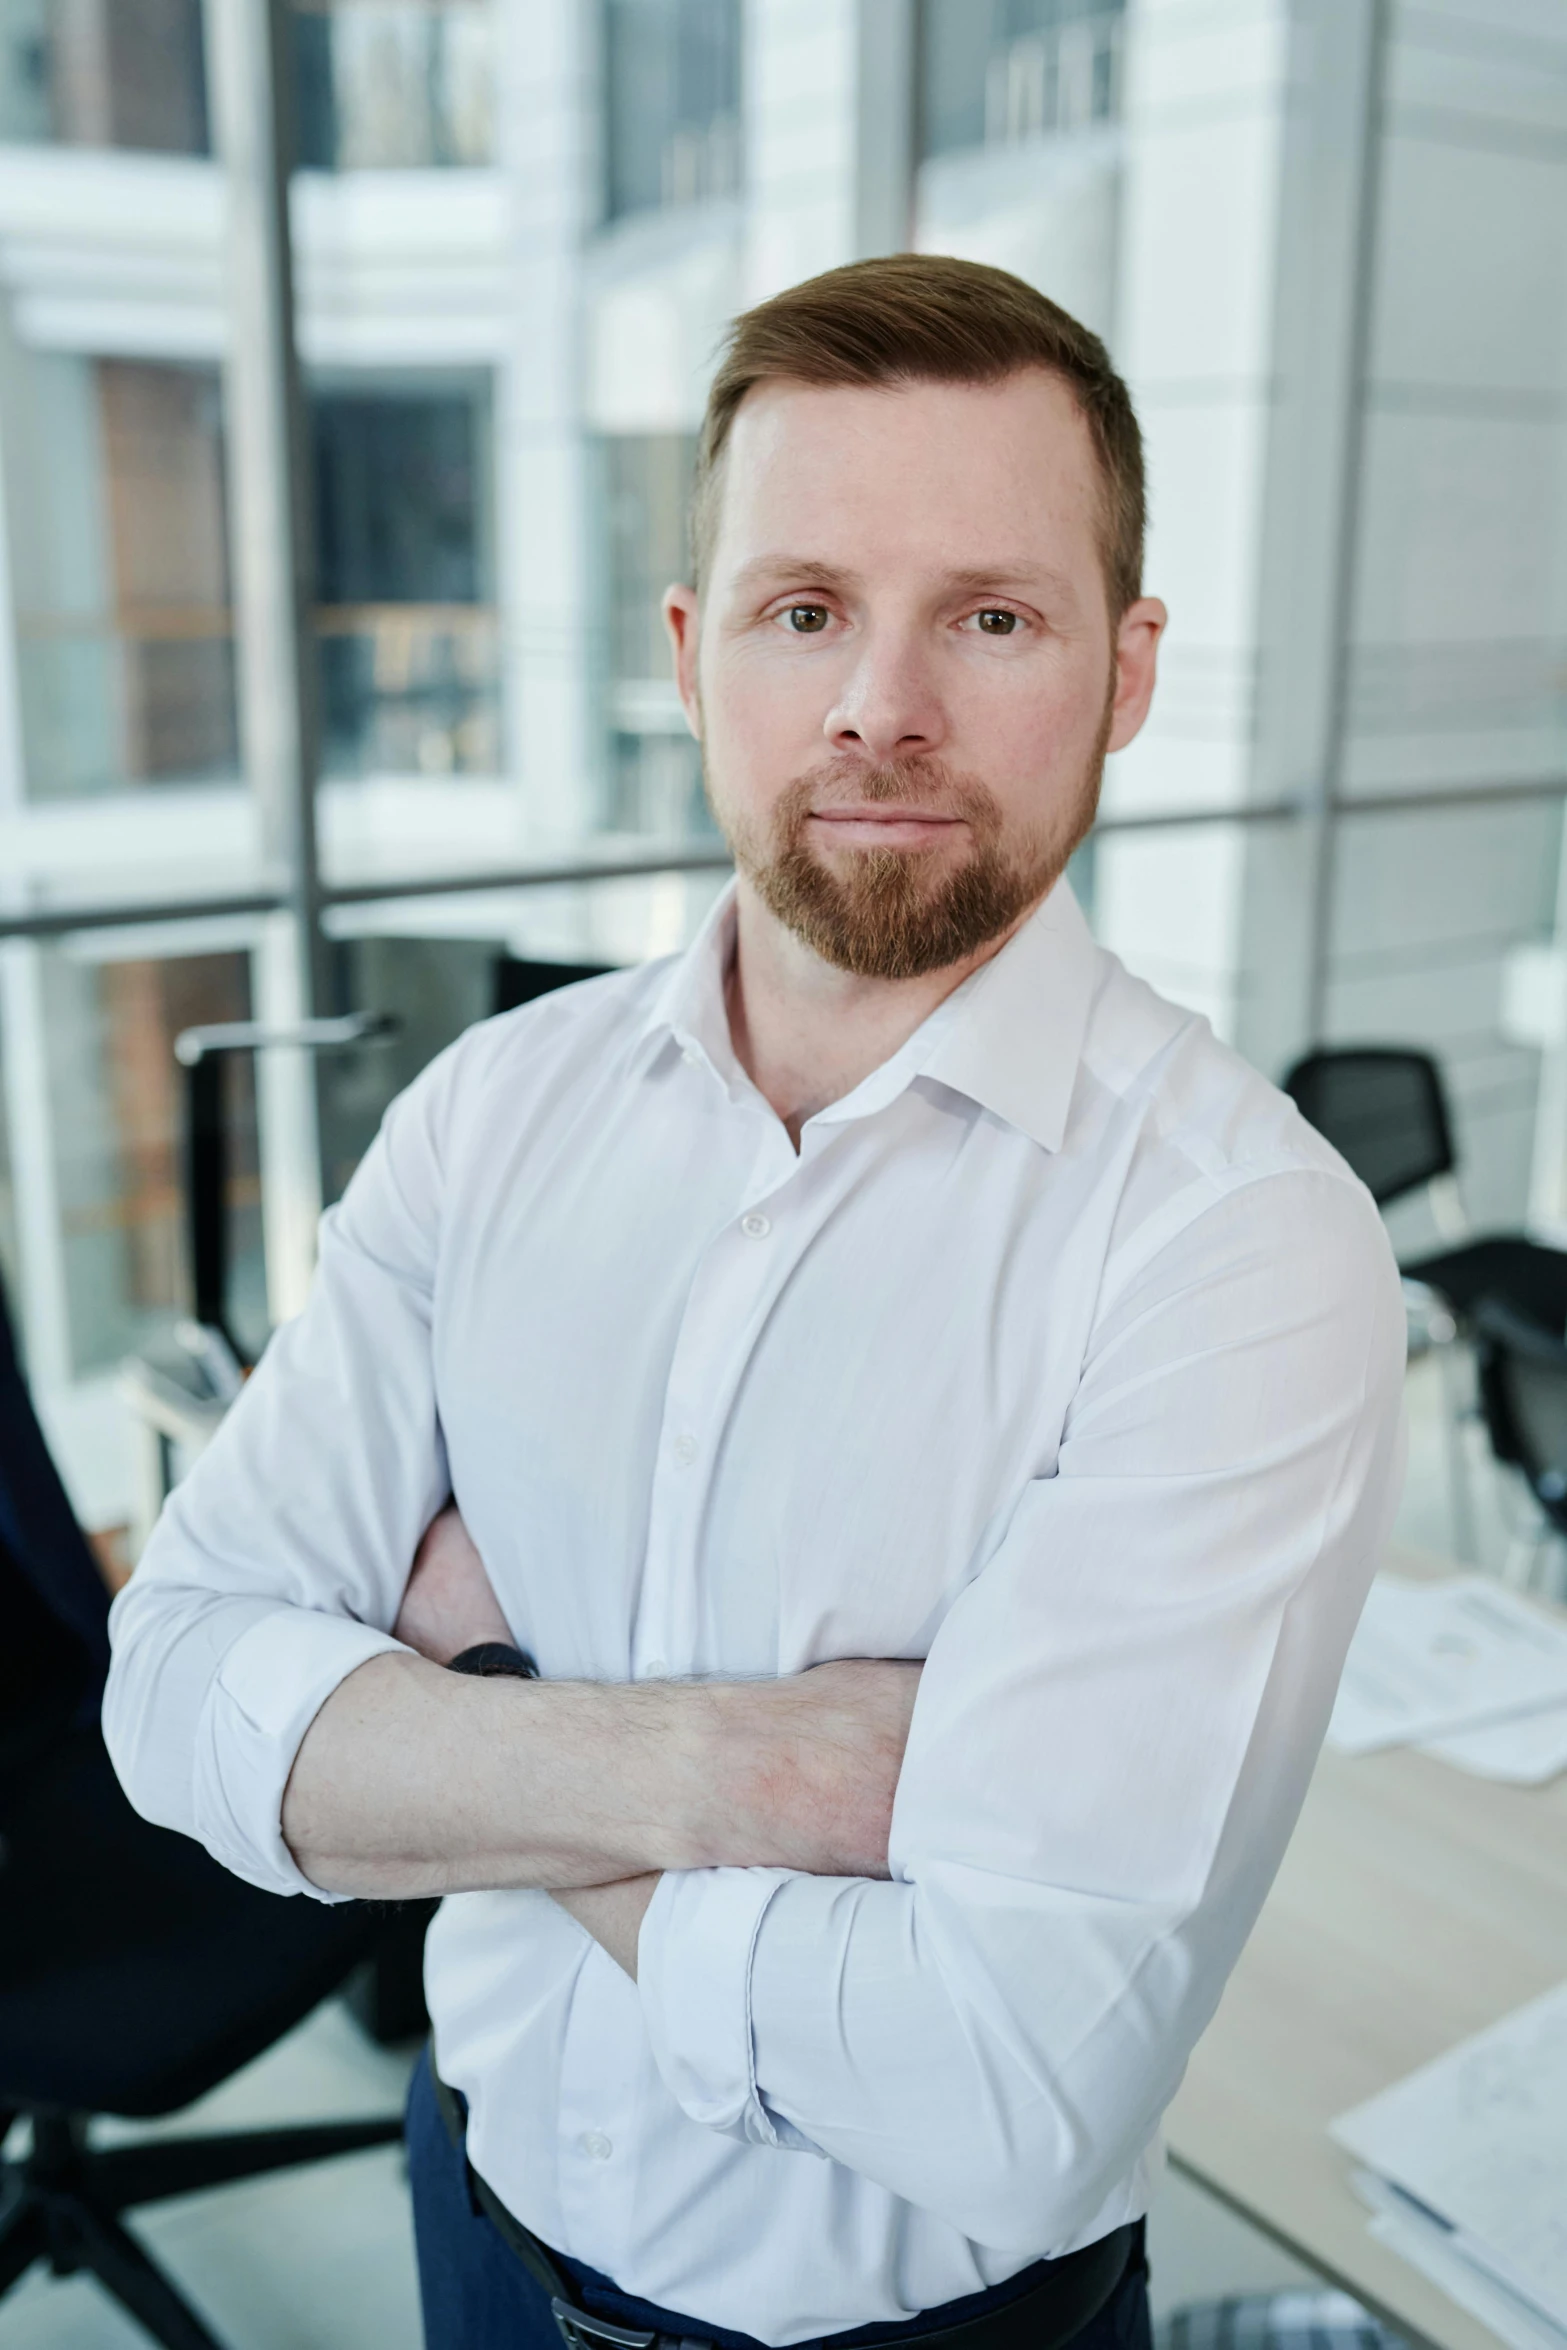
[(890, 1278)]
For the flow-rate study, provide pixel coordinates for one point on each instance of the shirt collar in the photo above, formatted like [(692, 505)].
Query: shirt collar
[(1010, 1038), (688, 1004), (1014, 1037)]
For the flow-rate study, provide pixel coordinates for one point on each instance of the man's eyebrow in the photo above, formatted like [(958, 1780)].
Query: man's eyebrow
[(971, 579), (1026, 578), (800, 569)]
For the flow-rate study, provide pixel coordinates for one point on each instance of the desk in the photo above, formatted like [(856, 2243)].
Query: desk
[(1415, 1905)]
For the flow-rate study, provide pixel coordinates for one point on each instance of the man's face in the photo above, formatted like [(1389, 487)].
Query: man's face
[(903, 671)]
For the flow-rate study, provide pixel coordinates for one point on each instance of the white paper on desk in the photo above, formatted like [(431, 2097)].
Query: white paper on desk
[(1480, 2138), (1526, 1751), (1430, 1659), (1428, 2247)]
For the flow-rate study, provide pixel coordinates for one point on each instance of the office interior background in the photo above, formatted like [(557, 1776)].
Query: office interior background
[(1326, 241)]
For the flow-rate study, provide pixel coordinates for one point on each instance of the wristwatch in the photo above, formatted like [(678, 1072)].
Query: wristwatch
[(494, 1660)]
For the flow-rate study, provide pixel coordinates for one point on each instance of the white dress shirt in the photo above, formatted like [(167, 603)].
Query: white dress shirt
[(1062, 1353)]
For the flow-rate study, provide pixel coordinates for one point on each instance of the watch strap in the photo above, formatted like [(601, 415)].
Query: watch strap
[(495, 1660)]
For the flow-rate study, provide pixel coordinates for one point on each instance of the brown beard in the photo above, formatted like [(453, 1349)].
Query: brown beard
[(895, 914)]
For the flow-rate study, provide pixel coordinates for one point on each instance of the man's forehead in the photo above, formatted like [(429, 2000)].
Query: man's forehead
[(983, 478), (1031, 407)]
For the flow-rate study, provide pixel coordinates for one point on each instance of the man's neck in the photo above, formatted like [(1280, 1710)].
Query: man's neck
[(807, 1033)]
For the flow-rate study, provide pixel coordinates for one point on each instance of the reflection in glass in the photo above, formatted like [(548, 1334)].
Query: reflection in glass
[(104, 73), (993, 72), (672, 102), (118, 1132), (406, 619), (392, 84), (120, 564)]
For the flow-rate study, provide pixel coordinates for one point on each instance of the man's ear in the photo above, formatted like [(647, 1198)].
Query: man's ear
[(682, 618), (1136, 667)]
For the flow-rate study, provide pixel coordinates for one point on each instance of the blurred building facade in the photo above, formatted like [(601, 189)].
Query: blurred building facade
[(1326, 240)]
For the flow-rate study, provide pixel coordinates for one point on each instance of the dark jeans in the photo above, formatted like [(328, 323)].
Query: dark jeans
[(477, 2295)]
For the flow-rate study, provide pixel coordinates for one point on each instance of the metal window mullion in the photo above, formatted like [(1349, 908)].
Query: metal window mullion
[(268, 461), (1325, 802)]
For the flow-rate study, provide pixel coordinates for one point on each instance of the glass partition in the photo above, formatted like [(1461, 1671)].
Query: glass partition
[(1457, 624)]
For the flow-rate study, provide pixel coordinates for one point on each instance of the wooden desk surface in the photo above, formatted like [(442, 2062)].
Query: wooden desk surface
[(1415, 1905)]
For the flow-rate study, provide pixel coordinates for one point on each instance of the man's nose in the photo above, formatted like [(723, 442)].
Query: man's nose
[(888, 704)]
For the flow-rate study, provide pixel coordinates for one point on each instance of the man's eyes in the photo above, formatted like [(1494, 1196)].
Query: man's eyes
[(812, 619)]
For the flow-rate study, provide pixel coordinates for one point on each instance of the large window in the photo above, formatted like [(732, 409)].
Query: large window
[(104, 73), (392, 84), (672, 115), (120, 574), (994, 72), (406, 616), (655, 783)]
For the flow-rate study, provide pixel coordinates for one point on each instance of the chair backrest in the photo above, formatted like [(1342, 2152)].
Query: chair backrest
[(53, 1604), (1523, 1395), (518, 981), (1383, 1108)]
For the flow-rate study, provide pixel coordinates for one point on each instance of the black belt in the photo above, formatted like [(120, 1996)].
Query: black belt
[(1044, 2318)]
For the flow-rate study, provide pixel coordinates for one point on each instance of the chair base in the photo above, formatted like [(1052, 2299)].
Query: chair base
[(63, 2200)]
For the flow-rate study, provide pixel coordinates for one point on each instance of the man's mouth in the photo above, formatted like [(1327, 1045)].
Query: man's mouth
[(883, 825)]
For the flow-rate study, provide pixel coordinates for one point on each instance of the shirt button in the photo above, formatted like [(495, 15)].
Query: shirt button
[(684, 1450), (595, 2143), (686, 1054), (655, 1669), (754, 1226)]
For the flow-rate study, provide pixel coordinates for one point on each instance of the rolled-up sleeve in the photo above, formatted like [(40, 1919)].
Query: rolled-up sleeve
[(1112, 1739), (278, 1565)]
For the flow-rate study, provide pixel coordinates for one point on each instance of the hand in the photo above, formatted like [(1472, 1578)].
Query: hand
[(448, 1605), (810, 1768)]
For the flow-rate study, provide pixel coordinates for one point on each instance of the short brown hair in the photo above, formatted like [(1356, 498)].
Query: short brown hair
[(917, 317)]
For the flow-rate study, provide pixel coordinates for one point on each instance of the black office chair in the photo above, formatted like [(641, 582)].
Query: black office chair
[(1384, 1109), (519, 981), (1523, 1399), (135, 1974)]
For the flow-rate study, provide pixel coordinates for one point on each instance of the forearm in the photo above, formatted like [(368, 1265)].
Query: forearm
[(413, 1780)]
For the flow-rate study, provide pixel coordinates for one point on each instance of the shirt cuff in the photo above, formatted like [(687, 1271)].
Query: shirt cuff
[(694, 1980), (266, 1693)]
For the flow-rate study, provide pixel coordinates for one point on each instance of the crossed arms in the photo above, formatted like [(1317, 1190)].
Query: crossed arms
[(1116, 1719), (414, 1780)]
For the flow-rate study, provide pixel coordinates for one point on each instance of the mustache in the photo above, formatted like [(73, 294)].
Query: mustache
[(925, 781)]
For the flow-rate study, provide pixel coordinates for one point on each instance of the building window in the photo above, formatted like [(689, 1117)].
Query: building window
[(655, 769), (672, 102), (120, 561), (393, 84), (995, 72), (104, 73), (118, 1122), (406, 619)]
